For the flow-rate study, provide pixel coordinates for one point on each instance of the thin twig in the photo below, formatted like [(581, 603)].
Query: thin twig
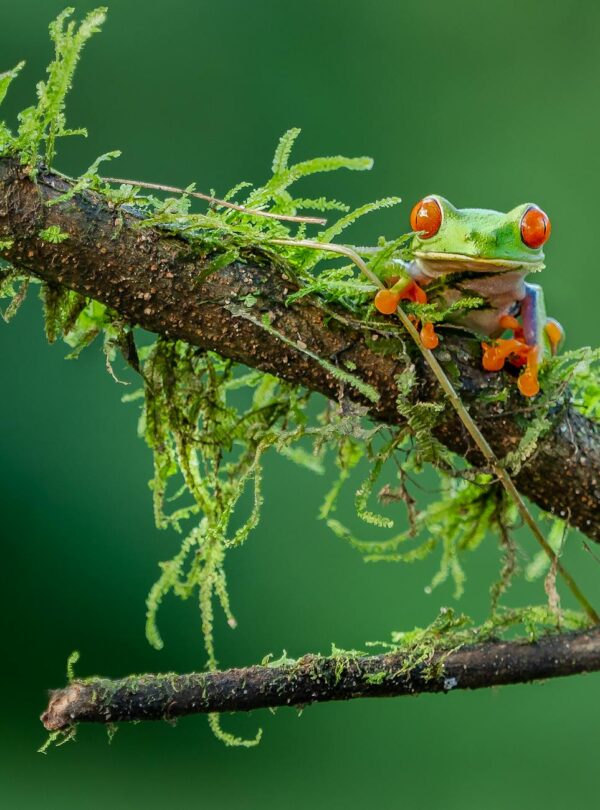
[(250, 211)]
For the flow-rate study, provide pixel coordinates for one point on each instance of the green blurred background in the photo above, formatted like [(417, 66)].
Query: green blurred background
[(490, 104)]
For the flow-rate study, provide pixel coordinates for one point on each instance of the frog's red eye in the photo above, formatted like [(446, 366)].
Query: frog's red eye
[(535, 227), (426, 217)]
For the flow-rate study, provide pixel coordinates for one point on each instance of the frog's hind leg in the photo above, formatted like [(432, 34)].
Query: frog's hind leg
[(531, 339), (533, 315)]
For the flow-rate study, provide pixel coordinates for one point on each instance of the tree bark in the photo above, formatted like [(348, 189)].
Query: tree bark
[(317, 679), (162, 282)]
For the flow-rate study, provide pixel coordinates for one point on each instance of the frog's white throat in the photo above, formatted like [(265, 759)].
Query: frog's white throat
[(432, 265)]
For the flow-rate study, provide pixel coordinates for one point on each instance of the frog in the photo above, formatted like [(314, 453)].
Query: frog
[(473, 252)]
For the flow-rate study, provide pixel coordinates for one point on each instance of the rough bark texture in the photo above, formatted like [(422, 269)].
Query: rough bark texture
[(155, 280), (316, 679)]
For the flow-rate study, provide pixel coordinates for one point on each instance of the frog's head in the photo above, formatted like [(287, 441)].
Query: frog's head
[(454, 239)]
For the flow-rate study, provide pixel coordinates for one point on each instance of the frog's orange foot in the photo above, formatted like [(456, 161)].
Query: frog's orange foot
[(503, 349), (518, 353), (388, 299)]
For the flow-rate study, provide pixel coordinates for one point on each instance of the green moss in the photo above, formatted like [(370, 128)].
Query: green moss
[(45, 122), (71, 661), (58, 738), (426, 648), (375, 679), (208, 448), (53, 234)]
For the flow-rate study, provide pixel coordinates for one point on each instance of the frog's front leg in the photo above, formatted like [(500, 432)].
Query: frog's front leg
[(537, 337)]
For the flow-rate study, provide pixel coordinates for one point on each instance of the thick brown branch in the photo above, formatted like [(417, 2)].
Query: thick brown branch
[(156, 280), (316, 679)]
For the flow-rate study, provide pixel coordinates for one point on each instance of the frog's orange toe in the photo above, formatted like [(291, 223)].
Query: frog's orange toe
[(508, 322), (492, 358), (429, 339), (386, 302), (555, 333), (528, 383), (511, 323)]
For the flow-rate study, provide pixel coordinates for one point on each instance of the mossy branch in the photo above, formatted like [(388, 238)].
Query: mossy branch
[(168, 285), (317, 679), (236, 285)]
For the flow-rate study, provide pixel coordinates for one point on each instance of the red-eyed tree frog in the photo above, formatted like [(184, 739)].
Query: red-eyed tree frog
[(473, 252)]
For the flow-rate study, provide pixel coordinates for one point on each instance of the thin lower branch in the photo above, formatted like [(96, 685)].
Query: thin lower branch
[(164, 284), (317, 679)]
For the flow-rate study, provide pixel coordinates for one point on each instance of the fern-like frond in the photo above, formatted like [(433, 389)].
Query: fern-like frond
[(336, 229), (6, 79), (284, 150), (284, 175), (6, 137), (46, 121)]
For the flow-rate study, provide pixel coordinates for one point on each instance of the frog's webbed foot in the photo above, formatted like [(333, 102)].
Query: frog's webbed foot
[(518, 353), (387, 300)]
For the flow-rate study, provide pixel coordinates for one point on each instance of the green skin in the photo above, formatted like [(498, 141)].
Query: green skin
[(480, 253)]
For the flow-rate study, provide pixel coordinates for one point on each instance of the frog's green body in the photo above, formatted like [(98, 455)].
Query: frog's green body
[(476, 252)]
